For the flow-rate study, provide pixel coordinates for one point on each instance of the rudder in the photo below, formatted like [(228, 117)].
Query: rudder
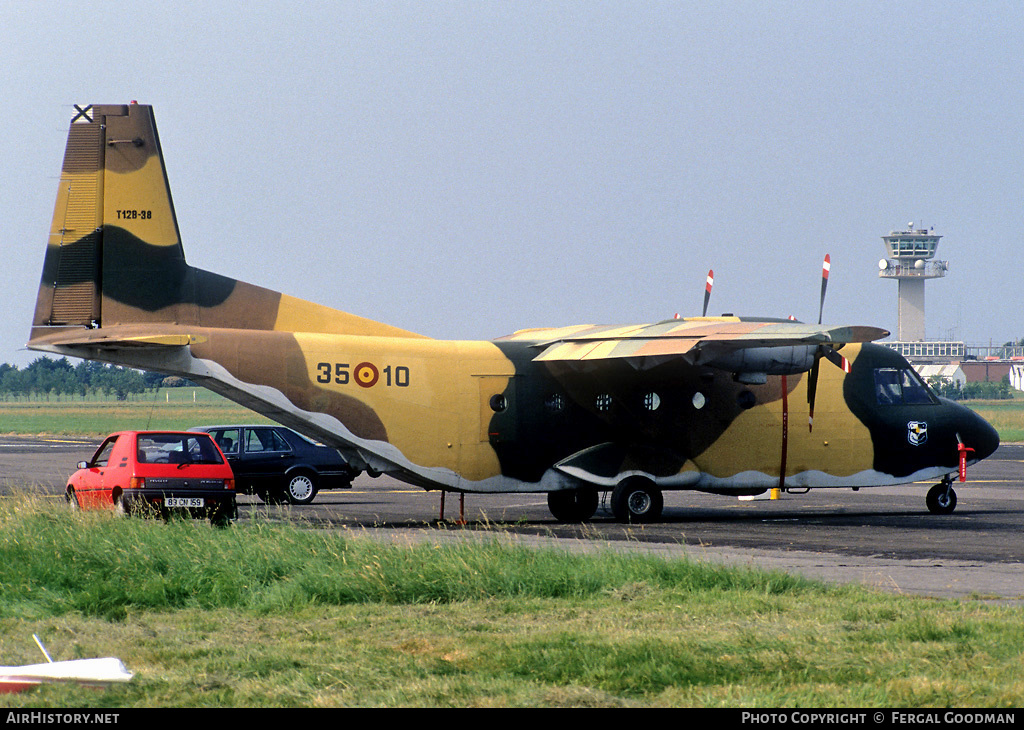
[(113, 202)]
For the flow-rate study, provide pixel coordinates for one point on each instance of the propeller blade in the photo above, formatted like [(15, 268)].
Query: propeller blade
[(823, 350), (836, 358), (825, 267), (833, 356), (812, 387), (707, 291)]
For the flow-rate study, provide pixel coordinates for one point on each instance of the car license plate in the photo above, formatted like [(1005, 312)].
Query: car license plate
[(183, 502)]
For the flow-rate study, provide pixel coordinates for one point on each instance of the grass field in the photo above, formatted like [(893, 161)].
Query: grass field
[(268, 615), (168, 408), (1006, 416)]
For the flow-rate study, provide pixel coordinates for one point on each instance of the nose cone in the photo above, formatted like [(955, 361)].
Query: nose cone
[(973, 431), (979, 435)]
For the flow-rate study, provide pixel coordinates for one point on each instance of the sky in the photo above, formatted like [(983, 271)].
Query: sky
[(466, 169)]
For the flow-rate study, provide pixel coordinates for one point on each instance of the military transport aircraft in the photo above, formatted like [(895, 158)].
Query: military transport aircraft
[(703, 403)]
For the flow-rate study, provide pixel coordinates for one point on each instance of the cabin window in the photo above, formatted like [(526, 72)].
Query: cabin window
[(901, 386), (555, 403), (746, 399)]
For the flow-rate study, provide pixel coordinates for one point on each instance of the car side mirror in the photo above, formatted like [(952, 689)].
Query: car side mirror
[(83, 465)]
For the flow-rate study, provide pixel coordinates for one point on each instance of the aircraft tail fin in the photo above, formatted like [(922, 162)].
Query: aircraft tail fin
[(115, 256), (112, 157)]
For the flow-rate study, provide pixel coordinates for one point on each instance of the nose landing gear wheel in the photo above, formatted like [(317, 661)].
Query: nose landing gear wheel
[(941, 499)]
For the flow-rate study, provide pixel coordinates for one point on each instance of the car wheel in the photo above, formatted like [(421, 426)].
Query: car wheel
[(72, 499), (300, 488), (222, 515)]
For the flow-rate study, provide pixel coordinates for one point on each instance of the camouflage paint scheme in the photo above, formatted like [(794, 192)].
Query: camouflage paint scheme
[(539, 410)]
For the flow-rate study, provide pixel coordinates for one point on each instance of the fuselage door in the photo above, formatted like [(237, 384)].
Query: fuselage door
[(497, 408)]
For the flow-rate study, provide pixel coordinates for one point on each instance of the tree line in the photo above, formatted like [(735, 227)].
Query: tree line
[(45, 379)]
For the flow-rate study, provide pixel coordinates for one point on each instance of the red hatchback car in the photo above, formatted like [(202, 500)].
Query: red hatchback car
[(156, 471)]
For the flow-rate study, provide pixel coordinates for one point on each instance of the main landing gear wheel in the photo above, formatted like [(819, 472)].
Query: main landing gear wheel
[(941, 499), (637, 500), (573, 505)]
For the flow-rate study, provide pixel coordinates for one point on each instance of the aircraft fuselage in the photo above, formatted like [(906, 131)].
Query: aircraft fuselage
[(722, 404)]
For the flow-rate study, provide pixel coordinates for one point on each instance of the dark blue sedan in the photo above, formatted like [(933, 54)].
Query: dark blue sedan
[(278, 464)]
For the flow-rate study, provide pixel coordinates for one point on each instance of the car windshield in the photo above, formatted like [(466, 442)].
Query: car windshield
[(176, 448), (306, 439)]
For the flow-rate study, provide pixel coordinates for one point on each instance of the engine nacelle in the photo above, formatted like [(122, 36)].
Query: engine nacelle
[(754, 361)]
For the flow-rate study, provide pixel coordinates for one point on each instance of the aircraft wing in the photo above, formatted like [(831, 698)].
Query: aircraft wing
[(694, 338)]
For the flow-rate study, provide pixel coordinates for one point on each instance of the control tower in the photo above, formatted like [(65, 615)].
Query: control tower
[(910, 260)]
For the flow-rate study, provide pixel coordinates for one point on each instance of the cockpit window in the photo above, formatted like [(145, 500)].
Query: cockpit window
[(914, 389), (901, 386)]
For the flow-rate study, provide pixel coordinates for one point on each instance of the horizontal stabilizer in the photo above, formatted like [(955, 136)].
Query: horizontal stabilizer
[(113, 338)]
